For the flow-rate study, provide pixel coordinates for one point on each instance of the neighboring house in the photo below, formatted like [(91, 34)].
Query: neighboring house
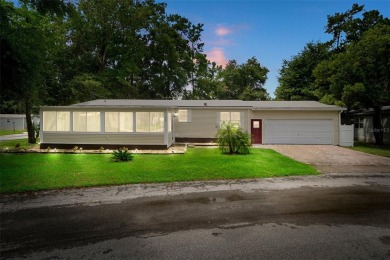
[(15, 121), (363, 124), (161, 123), (12, 122)]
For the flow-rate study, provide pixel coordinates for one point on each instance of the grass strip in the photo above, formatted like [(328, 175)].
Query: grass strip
[(381, 150), (29, 172)]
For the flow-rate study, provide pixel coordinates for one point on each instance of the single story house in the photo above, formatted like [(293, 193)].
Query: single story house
[(363, 124), (161, 123)]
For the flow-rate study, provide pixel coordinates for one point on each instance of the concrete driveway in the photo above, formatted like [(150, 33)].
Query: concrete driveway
[(334, 159), (13, 137)]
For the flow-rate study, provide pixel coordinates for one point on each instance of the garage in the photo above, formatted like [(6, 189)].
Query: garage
[(282, 131)]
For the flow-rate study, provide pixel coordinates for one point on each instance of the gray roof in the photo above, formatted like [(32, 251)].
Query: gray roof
[(255, 105), (12, 115)]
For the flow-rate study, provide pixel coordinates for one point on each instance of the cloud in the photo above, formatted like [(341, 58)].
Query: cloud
[(218, 56), (222, 31), (222, 36)]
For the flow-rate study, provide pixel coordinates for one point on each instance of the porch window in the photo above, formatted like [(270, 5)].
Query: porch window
[(232, 117), (56, 121), (86, 121), (119, 121), (184, 116), (149, 122), (156, 121)]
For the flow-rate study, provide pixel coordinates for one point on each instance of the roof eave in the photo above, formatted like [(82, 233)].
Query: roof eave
[(300, 108)]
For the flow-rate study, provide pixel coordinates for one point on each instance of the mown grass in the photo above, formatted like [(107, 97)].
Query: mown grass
[(381, 150), (28, 172), (11, 132), (23, 144)]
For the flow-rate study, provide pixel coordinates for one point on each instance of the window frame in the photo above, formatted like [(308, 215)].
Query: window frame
[(236, 122), (150, 120), (87, 126), (359, 122), (56, 121), (188, 116), (121, 122)]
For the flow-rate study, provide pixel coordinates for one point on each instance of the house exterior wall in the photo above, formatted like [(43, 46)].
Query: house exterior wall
[(205, 122), (300, 115), (102, 138), (202, 125)]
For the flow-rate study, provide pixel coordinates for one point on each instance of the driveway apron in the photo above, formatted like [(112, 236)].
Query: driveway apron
[(334, 159)]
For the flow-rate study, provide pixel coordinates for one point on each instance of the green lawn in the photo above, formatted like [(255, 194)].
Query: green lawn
[(22, 142), (11, 132), (383, 150), (26, 172)]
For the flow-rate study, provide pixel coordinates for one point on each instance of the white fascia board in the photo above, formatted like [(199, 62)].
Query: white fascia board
[(301, 108)]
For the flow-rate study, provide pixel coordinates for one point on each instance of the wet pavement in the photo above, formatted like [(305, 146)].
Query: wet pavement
[(330, 216)]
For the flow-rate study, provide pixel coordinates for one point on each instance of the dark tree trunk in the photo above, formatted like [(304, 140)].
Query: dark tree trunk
[(377, 125), (30, 127)]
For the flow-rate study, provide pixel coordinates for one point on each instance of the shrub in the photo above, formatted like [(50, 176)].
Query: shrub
[(122, 155), (233, 140)]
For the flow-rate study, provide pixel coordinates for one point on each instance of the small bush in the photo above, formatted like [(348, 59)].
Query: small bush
[(122, 155), (233, 140)]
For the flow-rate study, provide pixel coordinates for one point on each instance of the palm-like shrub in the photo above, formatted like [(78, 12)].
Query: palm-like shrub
[(233, 140), (122, 155)]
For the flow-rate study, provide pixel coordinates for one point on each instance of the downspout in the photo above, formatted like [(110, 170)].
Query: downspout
[(166, 118), (41, 126), (339, 126)]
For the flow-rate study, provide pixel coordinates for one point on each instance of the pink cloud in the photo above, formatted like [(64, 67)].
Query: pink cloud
[(218, 56), (222, 31)]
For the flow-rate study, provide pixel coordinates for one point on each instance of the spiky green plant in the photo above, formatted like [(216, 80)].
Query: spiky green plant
[(233, 140), (122, 155)]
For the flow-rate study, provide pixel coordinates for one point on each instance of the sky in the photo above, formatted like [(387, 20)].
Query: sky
[(269, 30)]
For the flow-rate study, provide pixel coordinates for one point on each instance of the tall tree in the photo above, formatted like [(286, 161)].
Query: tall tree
[(133, 48), (245, 81), (360, 76), (348, 27), (296, 79), (24, 47)]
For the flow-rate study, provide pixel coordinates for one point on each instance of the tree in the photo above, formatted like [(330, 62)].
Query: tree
[(206, 80), (134, 48), (360, 76), (24, 47), (233, 140), (347, 28), (296, 79), (245, 81)]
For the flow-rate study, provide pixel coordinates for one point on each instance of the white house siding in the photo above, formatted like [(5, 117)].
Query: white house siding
[(101, 139), (332, 116), (205, 122)]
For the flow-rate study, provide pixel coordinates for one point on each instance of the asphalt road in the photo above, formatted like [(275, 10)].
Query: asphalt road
[(321, 217)]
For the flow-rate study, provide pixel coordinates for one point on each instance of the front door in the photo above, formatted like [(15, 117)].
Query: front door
[(256, 130)]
